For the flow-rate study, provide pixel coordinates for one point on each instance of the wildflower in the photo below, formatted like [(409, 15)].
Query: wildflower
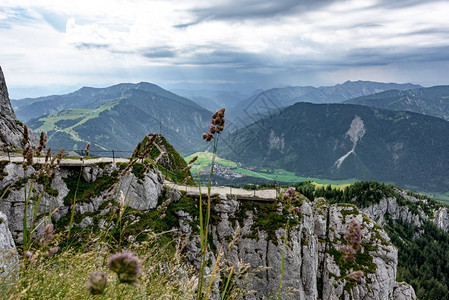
[(294, 210), (353, 234), (97, 283), (290, 194), (126, 265), (52, 251), (193, 160), (355, 275), (28, 254), (348, 253)]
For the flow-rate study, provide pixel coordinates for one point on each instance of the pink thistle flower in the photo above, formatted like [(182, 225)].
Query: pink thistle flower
[(97, 283), (127, 266)]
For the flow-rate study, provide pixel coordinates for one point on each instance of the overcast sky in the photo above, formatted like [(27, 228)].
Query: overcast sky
[(54, 46)]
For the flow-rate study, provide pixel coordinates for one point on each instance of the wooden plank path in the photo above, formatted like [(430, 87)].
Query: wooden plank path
[(70, 161), (241, 194)]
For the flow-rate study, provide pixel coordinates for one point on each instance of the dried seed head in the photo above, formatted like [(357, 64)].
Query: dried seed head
[(29, 156), (126, 265), (48, 232), (87, 150), (193, 160), (25, 138), (97, 283), (47, 156), (122, 202)]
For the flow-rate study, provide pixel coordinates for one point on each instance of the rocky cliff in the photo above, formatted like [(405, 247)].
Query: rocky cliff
[(9, 260), (11, 131), (314, 268), (251, 233)]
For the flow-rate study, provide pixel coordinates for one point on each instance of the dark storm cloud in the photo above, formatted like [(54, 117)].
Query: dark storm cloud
[(255, 9), (386, 56), (400, 4), (223, 57), (239, 61)]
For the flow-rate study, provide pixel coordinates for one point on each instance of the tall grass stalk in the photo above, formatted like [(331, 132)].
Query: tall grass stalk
[(284, 248), (72, 214), (204, 222), (213, 134), (25, 210)]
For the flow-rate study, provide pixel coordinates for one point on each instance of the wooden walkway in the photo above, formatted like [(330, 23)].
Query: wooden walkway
[(241, 194)]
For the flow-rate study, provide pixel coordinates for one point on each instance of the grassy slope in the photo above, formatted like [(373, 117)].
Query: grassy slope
[(280, 175), (205, 159), (72, 114)]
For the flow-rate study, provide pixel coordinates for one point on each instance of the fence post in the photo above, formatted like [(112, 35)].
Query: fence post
[(254, 190), (9, 157), (113, 157)]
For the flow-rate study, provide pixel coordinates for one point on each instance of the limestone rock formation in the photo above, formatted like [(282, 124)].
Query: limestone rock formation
[(142, 192), (251, 233), (442, 219), (313, 265), (9, 260), (11, 131)]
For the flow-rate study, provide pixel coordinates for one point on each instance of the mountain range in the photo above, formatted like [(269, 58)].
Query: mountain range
[(433, 101), (343, 141), (270, 101), (119, 117)]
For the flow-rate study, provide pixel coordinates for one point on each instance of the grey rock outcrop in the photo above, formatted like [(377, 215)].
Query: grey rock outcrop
[(9, 259), (251, 233), (313, 268), (403, 291), (441, 219), (11, 132), (143, 193), (389, 206)]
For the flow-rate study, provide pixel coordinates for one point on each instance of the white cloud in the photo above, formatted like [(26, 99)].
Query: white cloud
[(106, 40)]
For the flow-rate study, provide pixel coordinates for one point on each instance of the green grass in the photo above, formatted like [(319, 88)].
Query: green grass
[(73, 114), (64, 276), (204, 160), (280, 175)]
